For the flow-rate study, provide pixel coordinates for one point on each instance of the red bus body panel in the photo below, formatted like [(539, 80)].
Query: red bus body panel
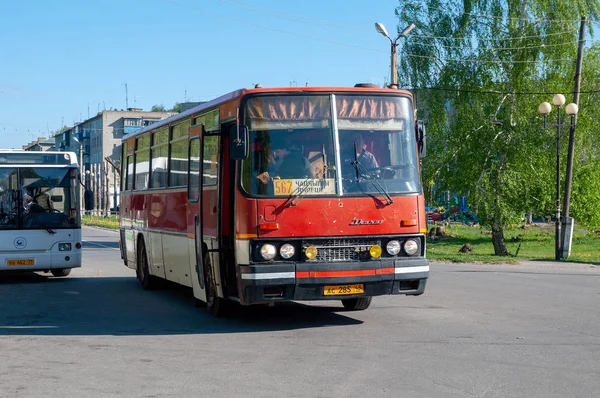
[(329, 217)]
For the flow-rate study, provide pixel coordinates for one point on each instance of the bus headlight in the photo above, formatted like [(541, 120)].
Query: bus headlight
[(287, 251), (411, 247), (375, 251), (393, 247), (268, 251), (64, 247), (311, 252)]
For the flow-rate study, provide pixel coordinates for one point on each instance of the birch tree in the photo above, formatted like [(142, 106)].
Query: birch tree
[(480, 69)]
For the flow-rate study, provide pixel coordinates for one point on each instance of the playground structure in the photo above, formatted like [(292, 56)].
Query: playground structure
[(457, 212)]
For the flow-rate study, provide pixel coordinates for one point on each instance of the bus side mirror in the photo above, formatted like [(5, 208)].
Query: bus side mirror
[(88, 199), (421, 138), (238, 142)]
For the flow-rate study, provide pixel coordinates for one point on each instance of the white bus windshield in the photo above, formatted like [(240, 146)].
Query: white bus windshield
[(38, 198)]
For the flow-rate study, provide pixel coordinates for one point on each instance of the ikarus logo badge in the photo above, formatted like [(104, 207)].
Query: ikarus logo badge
[(20, 243)]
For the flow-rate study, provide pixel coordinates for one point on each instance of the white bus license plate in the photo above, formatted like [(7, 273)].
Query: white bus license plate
[(22, 261)]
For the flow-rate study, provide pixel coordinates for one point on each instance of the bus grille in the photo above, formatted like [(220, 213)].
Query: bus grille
[(342, 249)]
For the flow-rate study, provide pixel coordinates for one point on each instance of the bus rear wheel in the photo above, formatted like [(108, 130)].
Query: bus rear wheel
[(357, 304), (216, 306), (147, 281), (59, 273)]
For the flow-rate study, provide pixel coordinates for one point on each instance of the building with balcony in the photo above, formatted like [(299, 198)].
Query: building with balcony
[(99, 138)]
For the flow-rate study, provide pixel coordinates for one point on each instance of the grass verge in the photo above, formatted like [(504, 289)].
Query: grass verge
[(111, 222), (533, 242)]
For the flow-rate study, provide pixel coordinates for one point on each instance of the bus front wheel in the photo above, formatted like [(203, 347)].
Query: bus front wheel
[(215, 305), (357, 304), (61, 272)]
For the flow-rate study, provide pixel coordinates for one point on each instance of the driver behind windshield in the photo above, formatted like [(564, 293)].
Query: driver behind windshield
[(365, 158)]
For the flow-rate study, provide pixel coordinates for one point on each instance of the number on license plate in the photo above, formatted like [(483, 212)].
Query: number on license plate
[(340, 290), (20, 262)]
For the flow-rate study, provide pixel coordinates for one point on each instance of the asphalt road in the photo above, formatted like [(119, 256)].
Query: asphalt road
[(530, 330)]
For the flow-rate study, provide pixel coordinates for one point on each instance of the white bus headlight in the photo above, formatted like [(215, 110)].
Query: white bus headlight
[(411, 247), (64, 247), (393, 247), (268, 251), (287, 251)]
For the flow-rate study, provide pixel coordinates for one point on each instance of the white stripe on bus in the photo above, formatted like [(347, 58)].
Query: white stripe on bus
[(270, 275), (410, 270)]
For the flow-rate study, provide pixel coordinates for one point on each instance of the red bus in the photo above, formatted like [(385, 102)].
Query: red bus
[(275, 194)]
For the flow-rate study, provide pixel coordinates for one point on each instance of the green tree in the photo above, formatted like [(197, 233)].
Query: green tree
[(479, 70), (158, 108), (176, 108)]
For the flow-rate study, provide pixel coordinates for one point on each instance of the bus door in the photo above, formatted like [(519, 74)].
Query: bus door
[(194, 213), (209, 198)]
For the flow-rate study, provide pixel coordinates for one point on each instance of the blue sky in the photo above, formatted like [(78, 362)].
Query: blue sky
[(64, 60)]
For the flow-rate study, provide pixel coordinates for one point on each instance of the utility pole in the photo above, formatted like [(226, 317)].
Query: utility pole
[(567, 224)]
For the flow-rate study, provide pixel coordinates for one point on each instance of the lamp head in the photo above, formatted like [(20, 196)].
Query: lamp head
[(572, 109), (381, 29), (544, 108), (407, 30), (559, 100)]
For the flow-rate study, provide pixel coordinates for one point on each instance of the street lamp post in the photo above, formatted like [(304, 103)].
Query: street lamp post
[(394, 50), (571, 110), (81, 167)]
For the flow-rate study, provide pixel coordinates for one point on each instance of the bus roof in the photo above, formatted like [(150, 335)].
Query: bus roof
[(17, 157), (244, 91)]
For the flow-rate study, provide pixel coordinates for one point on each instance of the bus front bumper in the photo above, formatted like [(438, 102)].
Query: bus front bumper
[(311, 281), (40, 261)]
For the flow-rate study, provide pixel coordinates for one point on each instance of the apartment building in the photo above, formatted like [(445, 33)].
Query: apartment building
[(97, 140), (41, 144)]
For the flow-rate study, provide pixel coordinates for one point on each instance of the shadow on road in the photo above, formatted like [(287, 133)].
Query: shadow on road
[(33, 304), (91, 244)]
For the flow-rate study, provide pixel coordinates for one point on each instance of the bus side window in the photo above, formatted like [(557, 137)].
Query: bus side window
[(194, 178), (211, 160)]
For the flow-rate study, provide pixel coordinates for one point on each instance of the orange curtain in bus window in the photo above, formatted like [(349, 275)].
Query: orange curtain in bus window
[(362, 107), (289, 108)]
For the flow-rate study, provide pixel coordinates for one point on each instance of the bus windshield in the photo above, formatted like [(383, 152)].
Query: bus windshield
[(38, 198), (330, 145)]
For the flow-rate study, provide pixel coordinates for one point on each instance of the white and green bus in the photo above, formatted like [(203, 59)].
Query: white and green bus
[(40, 222)]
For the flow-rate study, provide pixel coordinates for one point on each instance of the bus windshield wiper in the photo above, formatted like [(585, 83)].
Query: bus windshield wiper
[(48, 229), (295, 197), (358, 166), (299, 194)]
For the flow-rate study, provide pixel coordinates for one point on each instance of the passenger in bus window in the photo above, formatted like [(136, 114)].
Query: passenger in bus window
[(287, 162), (27, 200)]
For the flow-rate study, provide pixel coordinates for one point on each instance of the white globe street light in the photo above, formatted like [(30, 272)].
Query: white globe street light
[(571, 110), (545, 108)]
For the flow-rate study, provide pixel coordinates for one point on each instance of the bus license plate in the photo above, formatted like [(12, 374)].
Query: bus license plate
[(341, 290), (28, 261)]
